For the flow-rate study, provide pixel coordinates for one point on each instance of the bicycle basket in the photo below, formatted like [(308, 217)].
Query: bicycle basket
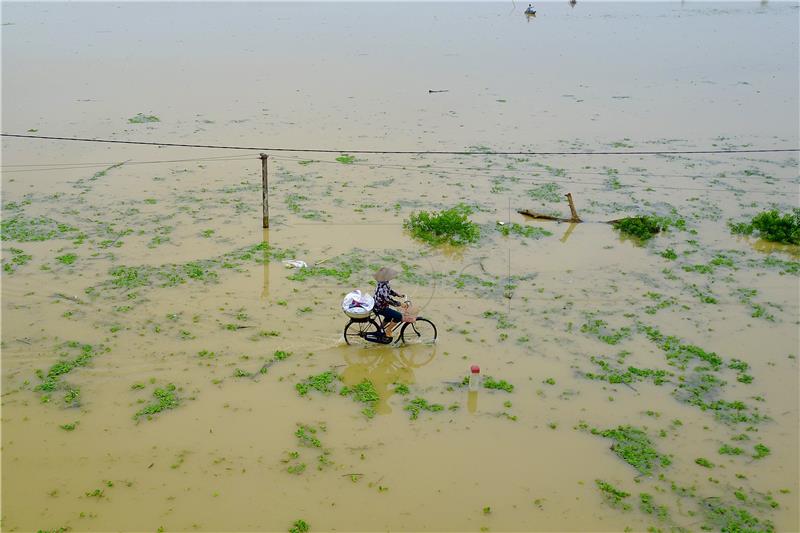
[(410, 313)]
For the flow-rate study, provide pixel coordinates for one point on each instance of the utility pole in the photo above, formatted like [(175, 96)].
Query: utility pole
[(265, 191)]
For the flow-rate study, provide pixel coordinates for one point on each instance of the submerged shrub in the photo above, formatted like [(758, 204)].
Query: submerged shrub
[(450, 226), (641, 227), (779, 228), (771, 226)]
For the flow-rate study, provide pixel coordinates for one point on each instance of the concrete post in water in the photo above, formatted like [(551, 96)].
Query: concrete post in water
[(575, 217), (265, 191)]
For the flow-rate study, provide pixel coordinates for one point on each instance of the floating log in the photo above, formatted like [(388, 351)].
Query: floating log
[(542, 216), (573, 219)]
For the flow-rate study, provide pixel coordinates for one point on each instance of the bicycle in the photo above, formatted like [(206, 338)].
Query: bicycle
[(415, 330)]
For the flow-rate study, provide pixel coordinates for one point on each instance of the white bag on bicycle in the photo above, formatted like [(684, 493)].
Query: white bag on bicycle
[(358, 305)]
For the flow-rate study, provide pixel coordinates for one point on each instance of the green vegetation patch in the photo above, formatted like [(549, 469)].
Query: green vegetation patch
[(205, 270), (613, 496), (299, 526), (18, 258), (66, 259), (531, 232), (491, 383), (645, 227), (340, 268), (730, 519), (450, 226), (166, 398), (631, 374), (548, 192), (647, 506), (51, 380), (772, 226), (634, 447), (141, 118), (24, 229), (364, 393), (599, 328), (417, 405), (306, 436), (346, 159), (323, 383)]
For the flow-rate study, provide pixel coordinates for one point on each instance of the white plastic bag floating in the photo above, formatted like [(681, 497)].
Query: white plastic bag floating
[(294, 263), (358, 305)]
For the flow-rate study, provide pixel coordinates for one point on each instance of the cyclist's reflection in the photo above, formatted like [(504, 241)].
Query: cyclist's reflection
[(385, 368)]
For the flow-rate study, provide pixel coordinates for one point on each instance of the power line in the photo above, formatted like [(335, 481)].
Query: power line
[(87, 164), (78, 166), (419, 152)]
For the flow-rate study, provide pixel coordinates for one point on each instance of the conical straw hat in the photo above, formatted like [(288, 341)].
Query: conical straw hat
[(385, 274)]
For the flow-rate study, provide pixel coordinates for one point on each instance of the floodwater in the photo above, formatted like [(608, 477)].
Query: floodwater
[(155, 273)]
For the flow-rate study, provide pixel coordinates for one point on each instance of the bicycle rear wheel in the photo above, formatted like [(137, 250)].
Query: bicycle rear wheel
[(421, 331), (355, 330)]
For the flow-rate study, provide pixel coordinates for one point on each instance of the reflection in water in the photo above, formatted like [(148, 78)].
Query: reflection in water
[(265, 241), (569, 231), (385, 367), (760, 245), (472, 401)]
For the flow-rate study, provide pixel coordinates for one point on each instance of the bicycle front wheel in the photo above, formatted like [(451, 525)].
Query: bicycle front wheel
[(421, 331), (356, 330)]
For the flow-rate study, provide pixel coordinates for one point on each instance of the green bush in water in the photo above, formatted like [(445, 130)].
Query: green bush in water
[(772, 226), (450, 226), (776, 228), (642, 227)]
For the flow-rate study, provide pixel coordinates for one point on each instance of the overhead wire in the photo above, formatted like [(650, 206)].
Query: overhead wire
[(406, 152)]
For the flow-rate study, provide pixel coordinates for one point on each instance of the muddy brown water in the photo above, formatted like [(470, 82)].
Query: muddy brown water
[(598, 76)]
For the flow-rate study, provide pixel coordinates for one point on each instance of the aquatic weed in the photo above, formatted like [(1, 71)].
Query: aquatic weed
[(634, 447), (613, 496), (166, 398), (22, 229), (449, 226), (321, 382), (141, 118), (417, 405), (365, 393), (490, 383), (730, 519), (299, 526)]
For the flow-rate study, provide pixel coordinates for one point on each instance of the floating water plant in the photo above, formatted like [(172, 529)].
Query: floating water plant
[(299, 526), (417, 405), (321, 382), (634, 447), (23, 229), (613, 496), (491, 383), (18, 258), (51, 381), (646, 227), (364, 393), (346, 159), (141, 118), (531, 232), (730, 519), (549, 192), (166, 398), (449, 226)]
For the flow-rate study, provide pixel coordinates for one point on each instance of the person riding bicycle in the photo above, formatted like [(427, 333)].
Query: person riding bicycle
[(383, 299)]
